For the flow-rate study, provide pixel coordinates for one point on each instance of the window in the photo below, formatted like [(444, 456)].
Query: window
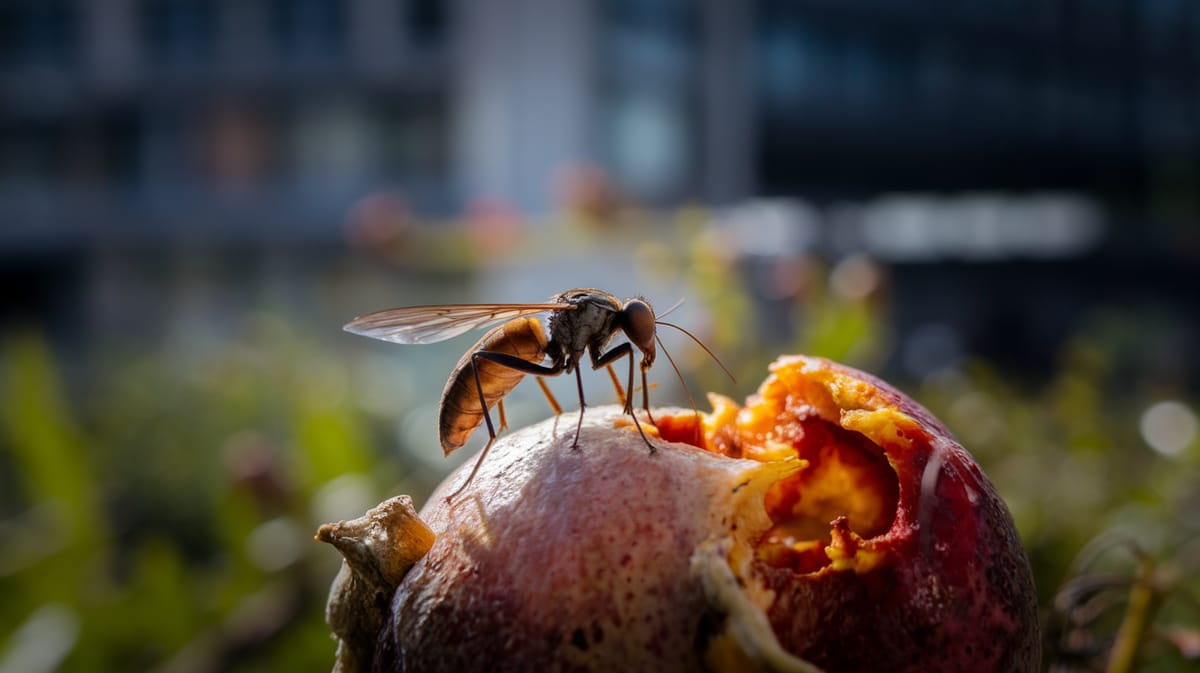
[(178, 33), (38, 34), (310, 32)]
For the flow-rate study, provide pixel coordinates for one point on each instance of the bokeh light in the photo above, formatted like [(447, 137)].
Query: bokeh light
[(1169, 427)]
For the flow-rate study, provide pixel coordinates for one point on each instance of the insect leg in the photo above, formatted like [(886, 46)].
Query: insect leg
[(479, 461), (645, 389), (512, 362), (549, 396), (612, 374), (623, 350), (503, 420), (579, 425), (606, 360)]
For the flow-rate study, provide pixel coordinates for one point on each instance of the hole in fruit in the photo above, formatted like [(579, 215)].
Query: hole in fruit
[(847, 491), (684, 428), (716, 431), (847, 476)]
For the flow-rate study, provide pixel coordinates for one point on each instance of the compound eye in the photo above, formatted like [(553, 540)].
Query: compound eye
[(639, 324)]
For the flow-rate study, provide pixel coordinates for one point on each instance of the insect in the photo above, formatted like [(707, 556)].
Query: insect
[(581, 321)]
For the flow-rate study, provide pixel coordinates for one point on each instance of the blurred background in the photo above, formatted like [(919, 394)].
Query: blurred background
[(996, 205)]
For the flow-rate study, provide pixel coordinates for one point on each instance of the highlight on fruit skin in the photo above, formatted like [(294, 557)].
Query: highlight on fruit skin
[(830, 523)]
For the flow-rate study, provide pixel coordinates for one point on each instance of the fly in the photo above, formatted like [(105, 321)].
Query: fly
[(580, 321)]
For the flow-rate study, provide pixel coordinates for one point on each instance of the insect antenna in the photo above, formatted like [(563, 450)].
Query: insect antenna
[(687, 391), (679, 374), (698, 343), (672, 309)]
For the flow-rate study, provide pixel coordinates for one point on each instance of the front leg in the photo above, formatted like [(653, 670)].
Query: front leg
[(600, 360), (605, 359)]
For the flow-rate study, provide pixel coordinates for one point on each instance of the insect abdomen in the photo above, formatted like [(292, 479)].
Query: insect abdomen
[(460, 413)]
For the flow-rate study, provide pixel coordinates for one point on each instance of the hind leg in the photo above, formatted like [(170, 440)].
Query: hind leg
[(511, 362)]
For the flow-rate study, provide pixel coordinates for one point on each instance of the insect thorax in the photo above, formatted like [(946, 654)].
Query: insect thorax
[(590, 324)]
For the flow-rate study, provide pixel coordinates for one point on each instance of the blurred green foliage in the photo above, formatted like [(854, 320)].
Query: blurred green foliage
[(158, 515), (164, 514)]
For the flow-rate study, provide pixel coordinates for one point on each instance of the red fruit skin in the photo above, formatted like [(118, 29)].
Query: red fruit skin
[(955, 592)]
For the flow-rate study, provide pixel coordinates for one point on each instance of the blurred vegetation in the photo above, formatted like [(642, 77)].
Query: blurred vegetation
[(163, 521), (158, 514)]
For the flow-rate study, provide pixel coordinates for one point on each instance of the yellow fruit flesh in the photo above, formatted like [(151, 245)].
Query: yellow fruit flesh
[(835, 426)]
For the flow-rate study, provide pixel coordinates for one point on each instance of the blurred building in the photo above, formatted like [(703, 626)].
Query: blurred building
[(156, 107), (243, 124)]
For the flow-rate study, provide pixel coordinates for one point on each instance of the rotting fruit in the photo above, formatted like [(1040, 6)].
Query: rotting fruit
[(831, 523)]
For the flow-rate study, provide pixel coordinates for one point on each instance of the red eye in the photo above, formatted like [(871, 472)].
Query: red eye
[(638, 324)]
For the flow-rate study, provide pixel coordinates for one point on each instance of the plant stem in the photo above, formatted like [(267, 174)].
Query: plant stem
[(1144, 599)]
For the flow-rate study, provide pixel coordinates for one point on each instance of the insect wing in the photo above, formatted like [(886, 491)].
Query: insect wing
[(430, 324)]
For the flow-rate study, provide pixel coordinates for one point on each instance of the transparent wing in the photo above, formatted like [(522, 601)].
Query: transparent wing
[(430, 324)]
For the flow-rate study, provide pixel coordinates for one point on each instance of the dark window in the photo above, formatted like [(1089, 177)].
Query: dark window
[(310, 31), (38, 34), (426, 20), (179, 33)]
